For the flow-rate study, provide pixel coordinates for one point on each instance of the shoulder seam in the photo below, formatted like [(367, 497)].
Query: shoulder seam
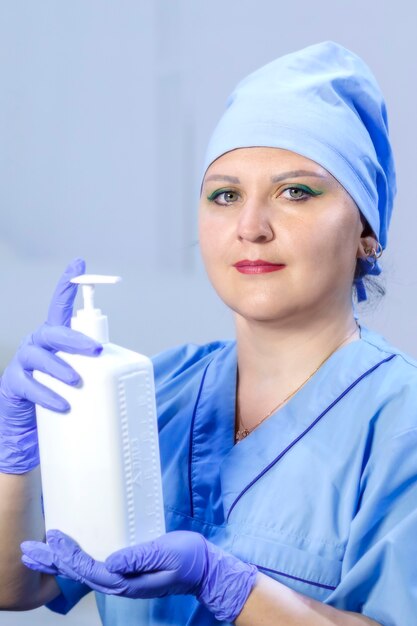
[(407, 360), (407, 431), (391, 350)]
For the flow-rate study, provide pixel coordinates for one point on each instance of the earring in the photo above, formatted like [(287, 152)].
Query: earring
[(380, 250), (373, 254)]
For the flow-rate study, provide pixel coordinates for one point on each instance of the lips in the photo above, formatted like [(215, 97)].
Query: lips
[(257, 267)]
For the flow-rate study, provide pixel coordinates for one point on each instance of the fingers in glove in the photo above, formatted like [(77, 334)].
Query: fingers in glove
[(72, 560), (141, 557), (61, 338), (27, 388), (39, 567), (154, 585), (35, 358), (39, 557), (167, 552), (62, 302)]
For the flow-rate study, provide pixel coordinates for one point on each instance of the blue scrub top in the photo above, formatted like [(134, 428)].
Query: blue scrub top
[(322, 496)]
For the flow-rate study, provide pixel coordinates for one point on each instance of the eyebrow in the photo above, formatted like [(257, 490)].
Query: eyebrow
[(274, 179), (228, 179), (295, 174)]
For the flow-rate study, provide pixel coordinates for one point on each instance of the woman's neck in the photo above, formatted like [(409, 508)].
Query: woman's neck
[(289, 351), (274, 361)]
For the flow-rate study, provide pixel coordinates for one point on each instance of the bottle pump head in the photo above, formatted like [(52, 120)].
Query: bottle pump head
[(89, 320)]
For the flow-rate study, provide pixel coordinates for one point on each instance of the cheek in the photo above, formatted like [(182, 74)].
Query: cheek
[(210, 238), (330, 244), (204, 236)]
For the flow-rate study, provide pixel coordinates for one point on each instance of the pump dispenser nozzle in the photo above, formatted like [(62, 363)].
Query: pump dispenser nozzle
[(90, 320)]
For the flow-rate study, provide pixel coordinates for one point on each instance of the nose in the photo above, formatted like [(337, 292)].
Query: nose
[(254, 224)]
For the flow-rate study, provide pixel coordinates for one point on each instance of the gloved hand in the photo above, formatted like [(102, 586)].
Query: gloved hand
[(19, 392), (180, 562)]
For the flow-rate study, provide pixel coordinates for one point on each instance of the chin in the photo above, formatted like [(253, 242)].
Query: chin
[(264, 312), (277, 307)]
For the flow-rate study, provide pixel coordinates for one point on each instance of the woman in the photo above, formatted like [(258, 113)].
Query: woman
[(289, 457)]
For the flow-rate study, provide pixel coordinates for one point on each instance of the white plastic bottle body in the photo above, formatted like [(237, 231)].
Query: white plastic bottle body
[(100, 463)]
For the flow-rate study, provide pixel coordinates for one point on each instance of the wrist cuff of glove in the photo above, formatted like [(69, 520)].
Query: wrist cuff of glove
[(227, 585), (19, 453)]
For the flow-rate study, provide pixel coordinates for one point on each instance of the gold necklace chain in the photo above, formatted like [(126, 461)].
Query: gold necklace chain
[(244, 432)]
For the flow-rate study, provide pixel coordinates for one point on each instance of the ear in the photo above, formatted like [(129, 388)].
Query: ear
[(367, 241), (366, 244)]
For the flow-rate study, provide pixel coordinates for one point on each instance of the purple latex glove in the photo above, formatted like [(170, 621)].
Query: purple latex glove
[(19, 392), (180, 562)]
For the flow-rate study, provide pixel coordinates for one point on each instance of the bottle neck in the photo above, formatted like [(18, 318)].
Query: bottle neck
[(92, 323)]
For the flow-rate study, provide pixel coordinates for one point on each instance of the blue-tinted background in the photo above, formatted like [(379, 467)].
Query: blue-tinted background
[(105, 111)]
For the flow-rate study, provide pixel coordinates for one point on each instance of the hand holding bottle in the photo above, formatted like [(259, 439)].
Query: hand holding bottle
[(19, 392), (179, 562)]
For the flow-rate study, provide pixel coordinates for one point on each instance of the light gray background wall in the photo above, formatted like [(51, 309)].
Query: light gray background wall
[(105, 111)]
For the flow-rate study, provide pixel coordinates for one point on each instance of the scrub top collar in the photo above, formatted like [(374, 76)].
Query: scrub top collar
[(212, 447)]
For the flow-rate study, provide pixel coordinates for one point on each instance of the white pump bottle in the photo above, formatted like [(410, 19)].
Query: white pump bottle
[(100, 464)]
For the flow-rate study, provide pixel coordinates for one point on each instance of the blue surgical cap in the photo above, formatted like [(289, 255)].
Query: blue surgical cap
[(323, 103)]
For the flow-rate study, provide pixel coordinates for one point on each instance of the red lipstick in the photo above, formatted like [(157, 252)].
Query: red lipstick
[(257, 267)]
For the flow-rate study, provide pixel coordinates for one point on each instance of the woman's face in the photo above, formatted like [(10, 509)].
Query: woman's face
[(263, 206)]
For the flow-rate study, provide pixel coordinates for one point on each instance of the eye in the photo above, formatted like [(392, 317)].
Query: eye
[(300, 193), (296, 193), (223, 197)]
